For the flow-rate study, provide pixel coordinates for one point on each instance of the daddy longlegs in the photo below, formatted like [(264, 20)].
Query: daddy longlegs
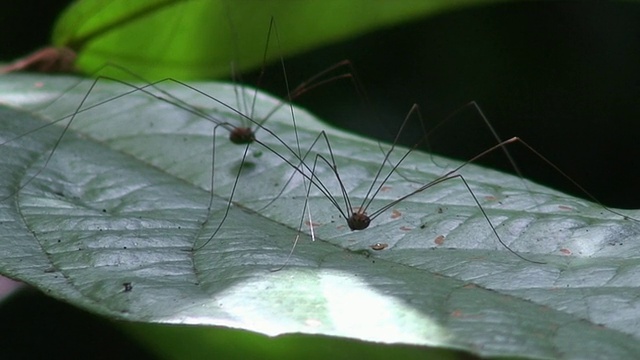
[(357, 217), (240, 135)]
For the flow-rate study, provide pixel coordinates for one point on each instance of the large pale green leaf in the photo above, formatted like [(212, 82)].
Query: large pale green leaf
[(199, 38), (125, 201)]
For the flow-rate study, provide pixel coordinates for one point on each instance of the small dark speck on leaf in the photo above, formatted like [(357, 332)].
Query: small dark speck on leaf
[(127, 286), (379, 246)]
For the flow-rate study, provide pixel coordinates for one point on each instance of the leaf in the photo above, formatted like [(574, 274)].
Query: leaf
[(198, 39), (108, 223)]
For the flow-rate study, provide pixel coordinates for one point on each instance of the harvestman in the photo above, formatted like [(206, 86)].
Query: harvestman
[(240, 135), (357, 217)]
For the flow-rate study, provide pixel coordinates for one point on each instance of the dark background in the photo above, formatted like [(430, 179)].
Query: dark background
[(563, 76)]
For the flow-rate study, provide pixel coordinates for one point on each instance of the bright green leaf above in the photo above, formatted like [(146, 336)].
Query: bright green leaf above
[(195, 39), (109, 220)]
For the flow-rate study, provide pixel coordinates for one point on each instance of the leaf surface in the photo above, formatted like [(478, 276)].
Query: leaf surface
[(108, 221)]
